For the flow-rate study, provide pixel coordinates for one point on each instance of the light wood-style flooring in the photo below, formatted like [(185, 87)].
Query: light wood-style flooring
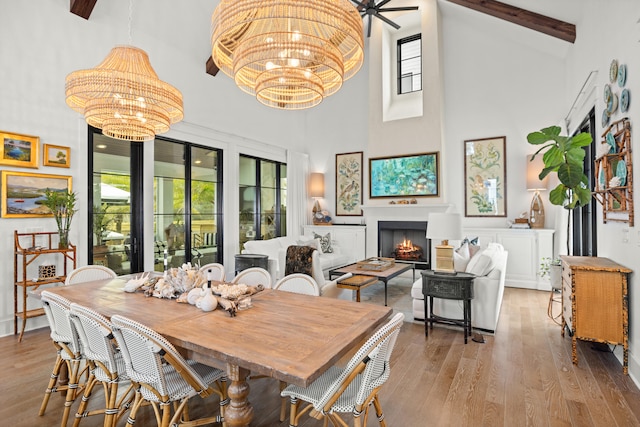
[(521, 376)]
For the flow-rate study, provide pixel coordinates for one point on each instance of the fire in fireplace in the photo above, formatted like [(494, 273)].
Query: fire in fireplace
[(405, 241)]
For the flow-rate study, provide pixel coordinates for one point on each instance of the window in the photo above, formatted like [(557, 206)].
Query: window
[(410, 64), (585, 223), (263, 199), (187, 194)]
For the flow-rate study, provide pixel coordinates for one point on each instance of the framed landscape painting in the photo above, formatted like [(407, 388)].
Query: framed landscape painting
[(413, 175), (19, 150), (23, 192), (349, 184), (56, 155), (485, 190)]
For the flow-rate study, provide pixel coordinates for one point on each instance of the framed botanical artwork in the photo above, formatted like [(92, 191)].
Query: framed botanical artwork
[(349, 184), (19, 150), (485, 188), (413, 175), (23, 192), (56, 155)]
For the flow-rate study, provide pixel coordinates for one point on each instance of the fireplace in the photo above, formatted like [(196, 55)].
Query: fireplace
[(405, 241)]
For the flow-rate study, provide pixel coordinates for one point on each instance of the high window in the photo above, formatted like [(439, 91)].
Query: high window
[(410, 64), (263, 199), (187, 189)]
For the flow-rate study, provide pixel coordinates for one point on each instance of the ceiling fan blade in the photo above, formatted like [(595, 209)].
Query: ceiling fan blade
[(398, 9), (382, 3), (388, 21), (369, 27)]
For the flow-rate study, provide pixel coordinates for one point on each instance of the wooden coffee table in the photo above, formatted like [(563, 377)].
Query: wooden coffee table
[(356, 283), (384, 275)]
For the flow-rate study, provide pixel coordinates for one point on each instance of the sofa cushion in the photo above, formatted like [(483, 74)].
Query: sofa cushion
[(325, 242), (314, 243), (265, 247), (333, 260), (461, 257), (484, 261)]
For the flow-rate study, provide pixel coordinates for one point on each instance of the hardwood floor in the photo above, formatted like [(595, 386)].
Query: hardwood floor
[(521, 376)]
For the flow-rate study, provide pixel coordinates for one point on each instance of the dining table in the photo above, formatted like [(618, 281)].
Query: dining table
[(291, 337)]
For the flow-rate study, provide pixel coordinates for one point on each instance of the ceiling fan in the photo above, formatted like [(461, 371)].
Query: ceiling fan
[(370, 8)]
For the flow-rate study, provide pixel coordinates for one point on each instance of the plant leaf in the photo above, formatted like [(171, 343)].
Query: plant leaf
[(537, 138), (570, 174), (581, 140), (551, 131), (553, 157), (576, 156), (557, 196)]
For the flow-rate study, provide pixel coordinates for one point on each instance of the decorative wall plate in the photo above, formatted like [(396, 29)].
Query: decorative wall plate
[(622, 75), (612, 105), (624, 101), (613, 71), (611, 141), (601, 178), (605, 117), (621, 172), (607, 93)]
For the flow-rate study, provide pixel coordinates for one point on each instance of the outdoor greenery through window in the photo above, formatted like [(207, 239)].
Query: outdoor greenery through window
[(187, 193), (410, 64), (263, 199)]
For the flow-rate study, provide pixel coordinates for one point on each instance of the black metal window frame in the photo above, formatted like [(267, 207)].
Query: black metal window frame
[(402, 75)]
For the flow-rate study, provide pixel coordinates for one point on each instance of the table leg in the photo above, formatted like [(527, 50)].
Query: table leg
[(239, 413), (385, 293), (465, 321), (358, 294)]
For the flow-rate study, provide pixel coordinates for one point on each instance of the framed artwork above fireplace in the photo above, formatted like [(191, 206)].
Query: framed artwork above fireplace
[(412, 175)]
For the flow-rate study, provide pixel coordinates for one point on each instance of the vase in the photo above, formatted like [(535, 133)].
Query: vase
[(63, 241)]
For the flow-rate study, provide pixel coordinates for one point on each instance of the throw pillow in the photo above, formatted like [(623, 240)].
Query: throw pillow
[(461, 257), (325, 242), (479, 264)]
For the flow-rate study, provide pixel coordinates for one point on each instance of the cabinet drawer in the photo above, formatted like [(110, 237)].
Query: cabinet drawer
[(566, 274), (448, 289), (566, 304)]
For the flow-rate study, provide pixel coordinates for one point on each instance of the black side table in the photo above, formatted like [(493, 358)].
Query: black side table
[(447, 286), (244, 261)]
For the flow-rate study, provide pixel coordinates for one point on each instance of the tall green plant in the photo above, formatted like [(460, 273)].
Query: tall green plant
[(62, 205), (564, 155)]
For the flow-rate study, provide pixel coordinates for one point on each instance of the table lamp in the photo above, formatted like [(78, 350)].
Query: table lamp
[(444, 226), (316, 191), (536, 211)]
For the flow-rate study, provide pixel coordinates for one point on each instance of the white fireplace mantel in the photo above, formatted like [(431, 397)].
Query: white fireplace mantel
[(397, 212)]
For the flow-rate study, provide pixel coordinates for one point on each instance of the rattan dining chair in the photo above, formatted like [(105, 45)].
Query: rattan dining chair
[(66, 341), (166, 379), (352, 389), (298, 283), (217, 271), (107, 365), (254, 276), (89, 273)]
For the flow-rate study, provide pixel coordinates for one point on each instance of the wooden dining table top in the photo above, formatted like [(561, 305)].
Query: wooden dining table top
[(290, 337)]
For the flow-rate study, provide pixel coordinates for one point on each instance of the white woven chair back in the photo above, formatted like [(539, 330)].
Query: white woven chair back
[(217, 271), (89, 273), (377, 350), (97, 341), (254, 276), (298, 283), (144, 352), (57, 310)]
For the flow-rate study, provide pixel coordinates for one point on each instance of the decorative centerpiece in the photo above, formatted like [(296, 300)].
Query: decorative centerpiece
[(62, 205)]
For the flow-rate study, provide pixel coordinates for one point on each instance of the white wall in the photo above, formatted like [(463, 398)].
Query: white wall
[(614, 33)]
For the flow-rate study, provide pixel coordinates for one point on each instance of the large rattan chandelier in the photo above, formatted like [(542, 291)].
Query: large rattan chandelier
[(124, 97), (290, 54)]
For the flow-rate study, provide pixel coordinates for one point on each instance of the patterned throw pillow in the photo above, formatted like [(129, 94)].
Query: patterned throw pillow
[(325, 242)]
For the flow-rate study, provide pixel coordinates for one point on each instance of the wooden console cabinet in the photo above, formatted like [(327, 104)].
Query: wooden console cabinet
[(595, 304)]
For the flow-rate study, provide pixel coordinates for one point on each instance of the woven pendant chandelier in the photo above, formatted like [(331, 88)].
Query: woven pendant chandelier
[(290, 54), (124, 97)]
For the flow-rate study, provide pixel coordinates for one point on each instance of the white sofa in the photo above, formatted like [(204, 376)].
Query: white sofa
[(489, 265), (276, 250)]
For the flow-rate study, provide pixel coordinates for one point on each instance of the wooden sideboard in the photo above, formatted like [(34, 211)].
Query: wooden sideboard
[(595, 305)]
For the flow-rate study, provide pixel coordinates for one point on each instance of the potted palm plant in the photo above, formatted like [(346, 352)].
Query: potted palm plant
[(62, 205)]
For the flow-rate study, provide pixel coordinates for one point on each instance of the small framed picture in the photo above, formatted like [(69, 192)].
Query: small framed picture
[(56, 155), (19, 150)]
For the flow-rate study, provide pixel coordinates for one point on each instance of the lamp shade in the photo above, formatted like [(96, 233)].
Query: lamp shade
[(533, 171), (444, 226), (316, 185)]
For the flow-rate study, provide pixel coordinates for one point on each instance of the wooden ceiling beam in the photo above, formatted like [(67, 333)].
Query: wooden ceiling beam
[(534, 21), (82, 8)]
